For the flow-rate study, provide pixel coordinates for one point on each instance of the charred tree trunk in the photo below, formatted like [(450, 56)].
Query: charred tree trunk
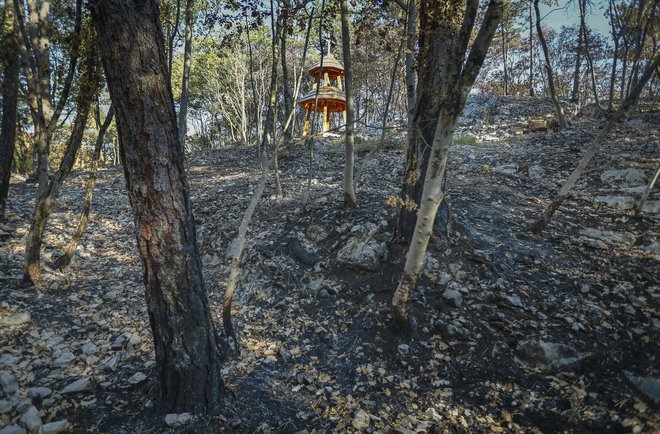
[(451, 37), (185, 340), (411, 34), (349, 190), (64, 260), (187, 60), (531, 51), (286, 91), (578, 64), (9, 52)]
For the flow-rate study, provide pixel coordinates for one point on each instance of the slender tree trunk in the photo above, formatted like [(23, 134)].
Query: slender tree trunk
[(187, 61), (548, 68), (9, 52), (505, 59), (88, 88), (64, 260), (456, 77), (531, 51), (288, 99), (647, 191), (578, 63), (349, 191), (185, 340), (620, 114), (411, 41), (587, 52)]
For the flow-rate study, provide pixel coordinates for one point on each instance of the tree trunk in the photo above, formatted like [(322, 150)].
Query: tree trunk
[(411, 33), (9, 52), (647, 191), (88, 88), (64, 260), (619, 115), (185, 340), (587, 52), (187, 60), (505, 56), (349, 191), (286, 91), (548, 68), (578, 63), (450, 37), (531, 51)]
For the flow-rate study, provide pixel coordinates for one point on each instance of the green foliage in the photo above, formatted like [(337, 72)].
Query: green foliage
[(465, 139)]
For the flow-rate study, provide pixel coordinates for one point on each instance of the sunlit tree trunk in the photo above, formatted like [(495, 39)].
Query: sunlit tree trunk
[(186, 346)]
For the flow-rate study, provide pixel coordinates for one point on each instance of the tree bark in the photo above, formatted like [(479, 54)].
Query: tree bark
[(531, 51), (578, 64), (9, 47), (548, 69), (185, 340), (456, 77), (349, 190), (619, 115), (64, 260), (411, 34), (187, 60), (647, 191)]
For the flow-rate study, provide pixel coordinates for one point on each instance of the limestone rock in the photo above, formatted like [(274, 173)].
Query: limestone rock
[(79, 385), (629, 177), (362, 253), (8, 319), (12, 429), (649, 386), (453, 297), (547, 355), (361, 420), (55, 427), (621, 202), (174, 420), (31, 419), (8, 383)]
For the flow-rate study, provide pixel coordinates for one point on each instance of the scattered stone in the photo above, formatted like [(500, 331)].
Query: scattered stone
[(507, 169), (609, 238), (621, 202), (111, 295), (547, 355), (536, 171), (8, 383), (55, 427), (8, 319), (514, 300), (31, 419), (361, 420), (404, 348), (118, 343), (362, 253), (64, 360), (649, 386), (5, 406), (39, 392), (89, 348), (134, 341), (13, 429), (174, 420), (624, 177), (111, 364), (137, 378), (79, 385), (453, 297), (651, 207)]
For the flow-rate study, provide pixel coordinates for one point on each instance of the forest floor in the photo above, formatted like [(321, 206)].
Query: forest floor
[(513, 332)]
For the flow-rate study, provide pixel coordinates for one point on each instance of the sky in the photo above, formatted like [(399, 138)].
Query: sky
[(568, 14)]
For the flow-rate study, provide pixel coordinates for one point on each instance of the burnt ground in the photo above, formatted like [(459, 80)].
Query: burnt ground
[(317, 350)]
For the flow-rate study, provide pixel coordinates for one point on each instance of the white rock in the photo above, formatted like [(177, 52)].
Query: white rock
[(453, 297), (55, 427), (624, 177), (621, 202), (31, 419), (649, 386), (79, 385), (64, 360), (12, 429), (507, 169), (361, 420), (536, 171), (622, 239), (137, 378), (362, 252), (174, 420), (652, 207), (546, 355), (89, 348), (39, 392), (9, 319), (5, 406)]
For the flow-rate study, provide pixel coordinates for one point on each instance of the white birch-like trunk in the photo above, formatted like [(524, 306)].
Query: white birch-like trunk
[(432, 196)]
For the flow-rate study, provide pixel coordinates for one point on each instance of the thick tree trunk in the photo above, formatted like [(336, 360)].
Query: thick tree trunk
[(589, 154), (548, 69), (349, 191), (456, 77), (9, 52), (88, 88), (187, 60), (185, 340), (64, 260)]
